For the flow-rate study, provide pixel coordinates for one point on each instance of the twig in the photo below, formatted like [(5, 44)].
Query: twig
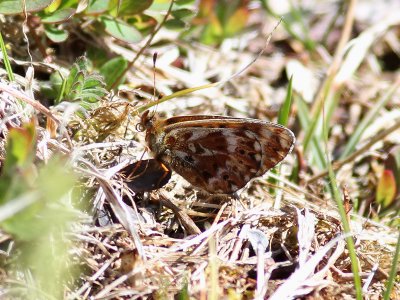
[(186, 221)]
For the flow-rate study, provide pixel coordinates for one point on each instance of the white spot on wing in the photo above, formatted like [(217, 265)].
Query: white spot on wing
[(180, 154), (285, 143), (257, 146), (198, 134), (249, 134), (266, 133), (191, 147), (231, 140), (207, 152)]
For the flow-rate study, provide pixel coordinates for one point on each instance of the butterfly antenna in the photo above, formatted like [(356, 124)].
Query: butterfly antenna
[(154, 81)]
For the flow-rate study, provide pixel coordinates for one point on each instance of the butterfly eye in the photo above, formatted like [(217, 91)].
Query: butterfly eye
[(140, 127)]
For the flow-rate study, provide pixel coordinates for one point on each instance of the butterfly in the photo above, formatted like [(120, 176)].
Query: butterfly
[(218, 154)]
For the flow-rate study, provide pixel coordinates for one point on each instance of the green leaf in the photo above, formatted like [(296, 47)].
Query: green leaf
[(77, 87), (392, 163), (121, 30), (183, 13), (76, 71), (175, 24), (39, 227), (55, 179), (184, 2), (160, 5), (97, 7), (113, 69), (237, 21), (8, 7), (83, 87), (18, 167), (56, 35), (386, 190), (53, 6), (144, 23), (56, 80), (213, 32), (52, 88), (59, 16), (22, 224), (96, 55), (53, 182), (128, 7), (20, 147), (92, 81)]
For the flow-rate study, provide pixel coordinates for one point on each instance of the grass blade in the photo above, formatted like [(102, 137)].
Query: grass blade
[(343, 216), (284, 112), (304, 113), (6, 60), (366, 121), (393, 271)]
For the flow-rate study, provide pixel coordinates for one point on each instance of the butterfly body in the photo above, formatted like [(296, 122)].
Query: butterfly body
[(218, 154)]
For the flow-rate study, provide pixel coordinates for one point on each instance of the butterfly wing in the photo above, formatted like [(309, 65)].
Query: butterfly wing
[(221, 154), (146, 175)]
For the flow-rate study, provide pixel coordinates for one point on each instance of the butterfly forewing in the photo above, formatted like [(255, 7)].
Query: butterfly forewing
[(219, 154), (146, 175)]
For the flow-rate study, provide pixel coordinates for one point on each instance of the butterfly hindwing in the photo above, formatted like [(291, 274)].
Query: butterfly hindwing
[(146, 175)]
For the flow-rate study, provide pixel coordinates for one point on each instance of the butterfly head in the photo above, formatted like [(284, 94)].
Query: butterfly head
[(146, 121)]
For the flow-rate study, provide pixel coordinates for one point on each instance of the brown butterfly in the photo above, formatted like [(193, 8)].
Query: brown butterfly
[(216, 153)]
